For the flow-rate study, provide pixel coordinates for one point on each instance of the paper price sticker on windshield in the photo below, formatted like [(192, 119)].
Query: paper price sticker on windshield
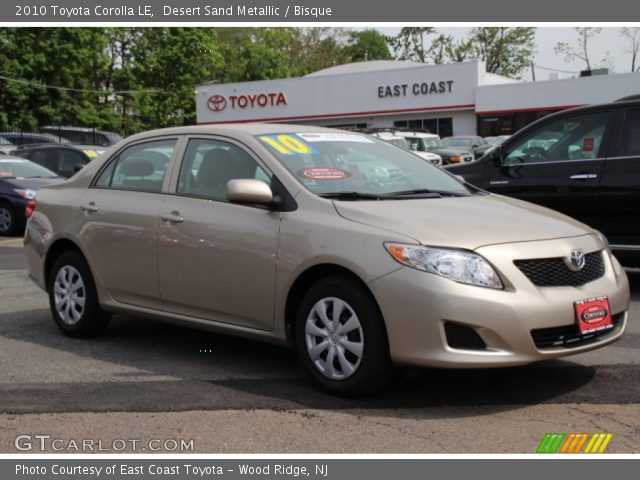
[(324, 173), (334, 137)]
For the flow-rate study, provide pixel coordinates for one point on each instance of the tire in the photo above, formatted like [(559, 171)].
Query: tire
[(8, 220), (80, 315), (361, 364)]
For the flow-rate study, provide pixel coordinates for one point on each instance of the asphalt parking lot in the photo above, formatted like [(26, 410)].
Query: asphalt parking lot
[(150, 380)]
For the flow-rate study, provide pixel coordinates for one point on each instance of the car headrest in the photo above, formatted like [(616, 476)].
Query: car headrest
[(138, 168)]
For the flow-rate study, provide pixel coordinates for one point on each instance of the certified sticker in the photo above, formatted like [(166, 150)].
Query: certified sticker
[(324, 173), (593, 315)]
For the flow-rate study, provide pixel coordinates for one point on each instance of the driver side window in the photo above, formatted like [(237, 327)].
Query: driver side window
[(578, 137)]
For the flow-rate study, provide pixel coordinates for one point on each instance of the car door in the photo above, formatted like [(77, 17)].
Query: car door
[(118, 219), (620, 186), (69, 160), (217, 259), (557, 165)]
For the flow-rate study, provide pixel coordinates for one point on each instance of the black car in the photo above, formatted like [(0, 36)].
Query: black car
[(83, 135), (64, 160), (469, 143), (20, 179), (26, 138), (584, 162)]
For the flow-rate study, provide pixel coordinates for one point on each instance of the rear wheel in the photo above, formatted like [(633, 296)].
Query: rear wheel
[(7, 219), (73, 298), (341, 338)]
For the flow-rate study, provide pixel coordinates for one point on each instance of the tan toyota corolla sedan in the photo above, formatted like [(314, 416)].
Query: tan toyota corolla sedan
[(359, 253)]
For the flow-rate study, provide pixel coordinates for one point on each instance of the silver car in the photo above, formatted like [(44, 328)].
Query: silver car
[(287, 234)]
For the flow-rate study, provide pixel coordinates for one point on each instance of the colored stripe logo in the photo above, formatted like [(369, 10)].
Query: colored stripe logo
[(574, 443)]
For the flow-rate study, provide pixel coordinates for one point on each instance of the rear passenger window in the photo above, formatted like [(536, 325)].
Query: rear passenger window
[(631, 133), (141, 167)]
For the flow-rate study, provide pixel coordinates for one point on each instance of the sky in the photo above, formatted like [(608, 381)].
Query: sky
[(608, 41)]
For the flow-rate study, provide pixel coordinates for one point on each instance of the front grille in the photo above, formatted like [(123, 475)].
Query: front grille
[(569, 336), (553, 272), (465, 338)]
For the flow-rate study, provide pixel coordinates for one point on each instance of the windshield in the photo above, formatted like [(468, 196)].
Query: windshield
[(4, 141), (424, 144), (399, 142), (461, 142), (23, 169), (329, 163)]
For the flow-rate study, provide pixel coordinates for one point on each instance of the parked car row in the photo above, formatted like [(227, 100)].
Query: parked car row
[(55, 134)]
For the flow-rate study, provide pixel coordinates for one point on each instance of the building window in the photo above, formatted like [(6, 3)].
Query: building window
[(440, 126)]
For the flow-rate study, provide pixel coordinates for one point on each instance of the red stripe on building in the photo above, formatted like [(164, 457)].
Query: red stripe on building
[(555, 108), (349, 114)]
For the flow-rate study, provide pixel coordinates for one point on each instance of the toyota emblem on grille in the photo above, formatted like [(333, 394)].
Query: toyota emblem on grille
[(575, 260)]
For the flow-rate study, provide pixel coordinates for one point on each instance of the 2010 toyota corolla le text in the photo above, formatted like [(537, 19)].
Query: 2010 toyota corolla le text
[(360, 254)]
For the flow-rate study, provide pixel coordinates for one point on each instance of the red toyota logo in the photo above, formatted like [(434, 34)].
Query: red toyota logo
[(217, 103)]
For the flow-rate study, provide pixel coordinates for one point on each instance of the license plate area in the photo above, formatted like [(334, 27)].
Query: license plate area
[(593, 315)]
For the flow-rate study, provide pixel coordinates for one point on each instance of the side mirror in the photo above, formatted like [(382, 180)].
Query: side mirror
[(77, 167), (249, 190), (497, 155)]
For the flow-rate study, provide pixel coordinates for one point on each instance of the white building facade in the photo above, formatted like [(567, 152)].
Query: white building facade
[(452, 99)]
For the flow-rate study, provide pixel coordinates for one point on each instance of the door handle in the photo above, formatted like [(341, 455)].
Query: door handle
[(584, 176), (173, 217), (89, 208)]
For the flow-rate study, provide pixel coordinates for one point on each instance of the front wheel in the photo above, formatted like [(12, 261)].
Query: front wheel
[(73, 298), (341, 338), (7, 219)]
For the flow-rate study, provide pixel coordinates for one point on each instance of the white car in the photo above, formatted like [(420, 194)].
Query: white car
[(400, 141), (428, 144)]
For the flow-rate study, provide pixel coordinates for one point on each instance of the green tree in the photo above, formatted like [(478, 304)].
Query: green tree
[(167, 64), (33, 60), (445, 49), (505, 50), (412, 43), (367, 45)]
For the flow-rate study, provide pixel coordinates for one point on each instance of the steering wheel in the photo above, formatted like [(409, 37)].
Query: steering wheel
[(535, 153)]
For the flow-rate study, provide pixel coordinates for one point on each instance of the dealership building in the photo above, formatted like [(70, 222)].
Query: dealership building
[(451, 99)]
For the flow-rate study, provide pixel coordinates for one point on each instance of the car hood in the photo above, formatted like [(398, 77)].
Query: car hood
[(32, 183), (449, 152), (456, 150), (463, 222)]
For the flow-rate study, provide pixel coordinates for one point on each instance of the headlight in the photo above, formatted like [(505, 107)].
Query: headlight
[(26, 193), (604, 241), (457, 265)]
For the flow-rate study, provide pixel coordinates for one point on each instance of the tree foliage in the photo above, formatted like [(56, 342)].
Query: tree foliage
[(505, 50), (130, 79)]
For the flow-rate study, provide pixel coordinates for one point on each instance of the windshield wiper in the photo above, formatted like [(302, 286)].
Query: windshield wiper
[(351, 196), (426, 193)]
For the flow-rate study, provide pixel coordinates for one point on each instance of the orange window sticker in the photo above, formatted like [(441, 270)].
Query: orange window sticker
[(324, 173)]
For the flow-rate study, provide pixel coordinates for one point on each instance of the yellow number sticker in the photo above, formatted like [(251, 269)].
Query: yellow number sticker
[(287, 145), (294, 144)]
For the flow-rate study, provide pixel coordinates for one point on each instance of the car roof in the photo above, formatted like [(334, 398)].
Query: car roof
[(230, 129), (12, 158), (404, 133)]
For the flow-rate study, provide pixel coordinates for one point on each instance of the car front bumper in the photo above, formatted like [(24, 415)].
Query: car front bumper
[(417, 305)]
